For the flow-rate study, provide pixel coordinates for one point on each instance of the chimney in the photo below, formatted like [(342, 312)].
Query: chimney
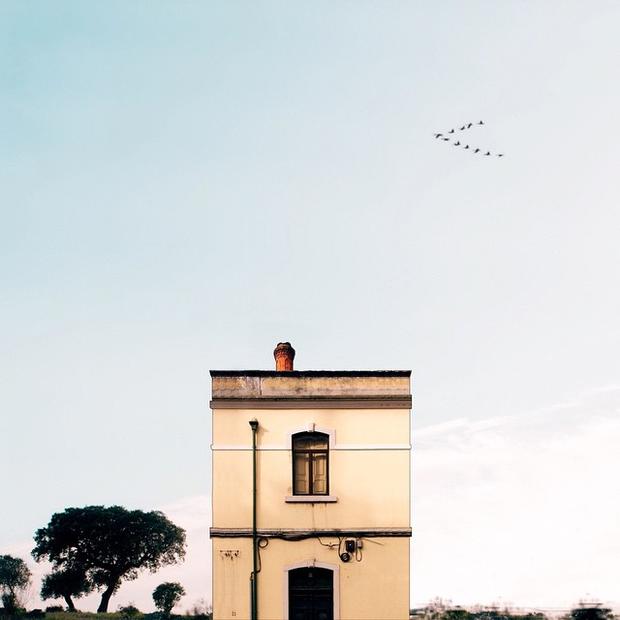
[(284, 354)]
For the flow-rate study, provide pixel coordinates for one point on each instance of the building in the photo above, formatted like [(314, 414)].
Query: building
[(311, 493)]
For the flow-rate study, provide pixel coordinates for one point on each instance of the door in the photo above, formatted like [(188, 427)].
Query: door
[(311, 594)]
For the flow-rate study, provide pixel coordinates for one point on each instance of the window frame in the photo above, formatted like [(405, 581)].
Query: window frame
[(311, 452)]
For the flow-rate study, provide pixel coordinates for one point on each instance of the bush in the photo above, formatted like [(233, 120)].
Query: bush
[(9, 602), (200, 610), (590, 611), (35, 613), (50, 609), (129, 611)]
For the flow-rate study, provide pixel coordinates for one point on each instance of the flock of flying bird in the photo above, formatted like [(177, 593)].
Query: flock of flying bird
[(446, 138)]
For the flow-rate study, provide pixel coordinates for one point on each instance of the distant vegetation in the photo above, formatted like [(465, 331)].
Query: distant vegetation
[(441, 610), (38, 614)]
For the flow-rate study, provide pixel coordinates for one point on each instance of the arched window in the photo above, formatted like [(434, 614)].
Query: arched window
[(310, 464)]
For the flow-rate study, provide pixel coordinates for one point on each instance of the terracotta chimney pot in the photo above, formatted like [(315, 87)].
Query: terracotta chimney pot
[(284, 354)]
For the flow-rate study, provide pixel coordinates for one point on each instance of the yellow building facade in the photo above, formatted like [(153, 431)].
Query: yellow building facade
[(311, 493)]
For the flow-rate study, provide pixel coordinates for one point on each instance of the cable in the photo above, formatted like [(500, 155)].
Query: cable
[(358, 550), (330, 545), (259, 546)]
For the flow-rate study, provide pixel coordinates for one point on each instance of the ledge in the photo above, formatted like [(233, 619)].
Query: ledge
[(310, 499), (313, 402), (310, 373), (301, 534), (313, 386)]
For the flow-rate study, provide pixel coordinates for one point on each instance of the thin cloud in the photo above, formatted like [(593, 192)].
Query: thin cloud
[(522, 508)]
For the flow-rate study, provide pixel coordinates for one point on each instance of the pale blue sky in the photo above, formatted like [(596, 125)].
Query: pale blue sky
[(184, 184)]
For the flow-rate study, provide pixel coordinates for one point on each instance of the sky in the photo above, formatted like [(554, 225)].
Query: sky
[(185, 184)]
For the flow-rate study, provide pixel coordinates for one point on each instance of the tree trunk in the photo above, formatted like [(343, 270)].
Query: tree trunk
[(69, 601), (105, 598)]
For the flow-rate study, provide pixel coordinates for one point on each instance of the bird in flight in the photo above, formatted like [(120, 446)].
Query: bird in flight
[(447, 137)]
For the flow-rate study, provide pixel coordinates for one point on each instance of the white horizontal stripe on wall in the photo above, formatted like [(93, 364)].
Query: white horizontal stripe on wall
[(342, 446)]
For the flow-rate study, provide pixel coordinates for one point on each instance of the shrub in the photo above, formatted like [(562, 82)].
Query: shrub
[(9, 602), (200, 610), (129, 611)]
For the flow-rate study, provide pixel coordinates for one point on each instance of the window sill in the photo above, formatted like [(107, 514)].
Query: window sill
[(310, 499)]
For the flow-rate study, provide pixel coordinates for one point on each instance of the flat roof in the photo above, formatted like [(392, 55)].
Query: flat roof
[(310, 373)]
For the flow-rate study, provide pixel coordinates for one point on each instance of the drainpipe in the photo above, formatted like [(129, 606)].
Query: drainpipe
[(254, 576)]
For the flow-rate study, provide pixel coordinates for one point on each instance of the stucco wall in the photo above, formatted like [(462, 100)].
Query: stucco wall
[(376, 588), (352, 426), (368, 468)]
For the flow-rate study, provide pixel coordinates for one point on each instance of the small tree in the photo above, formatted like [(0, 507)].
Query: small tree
[(166, 596), (14, 578), (66, 584)]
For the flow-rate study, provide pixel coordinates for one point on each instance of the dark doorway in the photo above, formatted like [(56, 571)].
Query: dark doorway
[(311, 594)]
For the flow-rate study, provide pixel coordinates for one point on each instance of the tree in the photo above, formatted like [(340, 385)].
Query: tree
[(109, 544), (14, 578), (68, 583), (166, 596)]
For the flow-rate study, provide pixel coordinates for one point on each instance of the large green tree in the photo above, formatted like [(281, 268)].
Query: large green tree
[(109, 545), (14, 578), (67, 583)]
